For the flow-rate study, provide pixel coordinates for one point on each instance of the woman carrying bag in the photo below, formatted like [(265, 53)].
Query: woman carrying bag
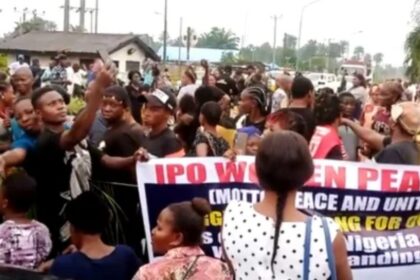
[(272, 239)]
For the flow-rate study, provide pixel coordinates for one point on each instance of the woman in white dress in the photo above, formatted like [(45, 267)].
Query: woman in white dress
[(274, 240)]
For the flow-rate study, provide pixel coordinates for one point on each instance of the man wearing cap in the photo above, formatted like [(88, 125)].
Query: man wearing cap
[(161, 141), (402, 147), (59, 74), (17, 64)]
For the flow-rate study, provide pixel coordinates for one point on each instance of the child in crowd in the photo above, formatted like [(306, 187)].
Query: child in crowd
[(178, 235), (253, 139), (88, 216), (23, 242), (349, 138)]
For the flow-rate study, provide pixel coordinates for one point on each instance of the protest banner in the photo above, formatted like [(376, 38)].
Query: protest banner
[(376, 206)]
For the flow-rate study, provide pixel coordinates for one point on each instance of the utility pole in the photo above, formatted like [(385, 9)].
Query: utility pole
[(96, 15), (66, 25), (165, 31), (189, 33), (180, 41), (273, 62), (82, 11), (300, 31)]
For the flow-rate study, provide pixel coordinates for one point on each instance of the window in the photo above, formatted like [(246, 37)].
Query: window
[(132, 66)]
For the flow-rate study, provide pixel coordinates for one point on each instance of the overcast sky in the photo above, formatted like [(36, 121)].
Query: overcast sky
[(378, 25)]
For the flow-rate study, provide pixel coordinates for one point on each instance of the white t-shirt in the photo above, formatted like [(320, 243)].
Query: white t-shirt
[(188, 89), (78, 77), (277, 98), (14, 66), (248, 242)]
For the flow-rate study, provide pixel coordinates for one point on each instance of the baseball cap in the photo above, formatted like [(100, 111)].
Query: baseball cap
[(407, 115), (162, 98), (21, 56)]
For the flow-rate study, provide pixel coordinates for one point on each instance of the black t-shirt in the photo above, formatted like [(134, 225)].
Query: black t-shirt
[(122, 141), (37, 73), (136, 101), (404, 152), (163, 144), (260, 125), (308, 116), (53, 176)]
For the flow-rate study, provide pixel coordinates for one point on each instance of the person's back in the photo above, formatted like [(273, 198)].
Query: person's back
[(272, 239), (89, 216), (404, 152), (302, 101), (23, 242), (179, 260), (248, 241), (121, 264)]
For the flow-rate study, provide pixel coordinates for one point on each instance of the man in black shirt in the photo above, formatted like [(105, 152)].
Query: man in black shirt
[(303, 98), (402, 147), (54, 150), (36, 72), (123, 138), (161, 141)]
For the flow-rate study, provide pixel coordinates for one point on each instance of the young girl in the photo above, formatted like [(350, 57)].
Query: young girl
[(23, 242), (178, 236), (207, 141)]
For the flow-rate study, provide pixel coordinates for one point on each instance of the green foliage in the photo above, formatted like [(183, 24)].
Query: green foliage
[(218, 38), (359, 51), (34, 24), (228, 58), (3, 62), (378, 58), (412, 60)]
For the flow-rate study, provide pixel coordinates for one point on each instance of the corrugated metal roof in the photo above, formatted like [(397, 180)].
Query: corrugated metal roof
[(72, 42), (196, 54)]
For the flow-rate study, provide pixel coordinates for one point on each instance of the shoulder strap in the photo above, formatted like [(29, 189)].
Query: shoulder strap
[(307, 248), (328, 244), (190, 268)]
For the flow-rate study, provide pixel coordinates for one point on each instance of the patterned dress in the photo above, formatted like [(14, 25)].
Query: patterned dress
[(184, 263), (24, 245)]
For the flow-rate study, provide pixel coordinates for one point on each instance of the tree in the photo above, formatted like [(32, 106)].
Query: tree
[(34, 24), (412, 60), (344, 47), (378, 57), (228, 58), (218, 38), (359, 51)]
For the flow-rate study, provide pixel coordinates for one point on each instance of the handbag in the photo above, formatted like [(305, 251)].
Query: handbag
[(330, 254), (307, 248)]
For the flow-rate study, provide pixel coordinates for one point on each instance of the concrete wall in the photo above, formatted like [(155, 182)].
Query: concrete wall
[(122, 57)]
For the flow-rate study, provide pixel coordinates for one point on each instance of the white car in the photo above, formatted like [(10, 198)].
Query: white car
[(322, 80)]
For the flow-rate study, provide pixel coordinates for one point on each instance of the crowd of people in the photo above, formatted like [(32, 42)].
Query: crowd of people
[(56, 219)]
